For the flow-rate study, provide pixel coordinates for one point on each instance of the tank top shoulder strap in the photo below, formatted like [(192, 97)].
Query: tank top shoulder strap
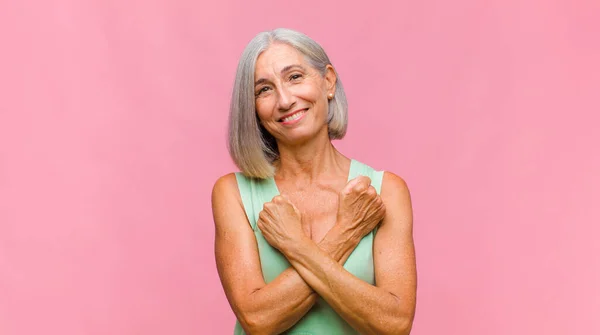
[(254, 193), (360, 169)]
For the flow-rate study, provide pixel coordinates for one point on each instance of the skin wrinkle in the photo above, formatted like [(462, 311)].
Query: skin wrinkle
[(310, 174)]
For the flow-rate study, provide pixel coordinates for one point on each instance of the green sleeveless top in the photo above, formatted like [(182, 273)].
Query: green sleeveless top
[(321, 319)]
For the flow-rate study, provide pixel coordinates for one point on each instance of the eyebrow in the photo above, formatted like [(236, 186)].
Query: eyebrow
[(284, 70)]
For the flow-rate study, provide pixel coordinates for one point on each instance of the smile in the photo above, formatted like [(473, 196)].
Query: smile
[(294, 117)]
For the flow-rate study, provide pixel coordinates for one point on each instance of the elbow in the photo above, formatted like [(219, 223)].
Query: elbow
[(401, 318), (402, 326), (402, 323), (255, 324), (396, 324), (252, 325), (390, 326)]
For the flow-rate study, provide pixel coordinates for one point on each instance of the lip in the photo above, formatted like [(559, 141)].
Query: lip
[(292, 113)]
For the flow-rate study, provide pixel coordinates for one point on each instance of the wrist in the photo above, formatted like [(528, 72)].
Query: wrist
[(293, 246), (338, 243)]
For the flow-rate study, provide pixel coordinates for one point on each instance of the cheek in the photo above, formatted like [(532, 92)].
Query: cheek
[(263, 108), (311, 92), (317, 98)]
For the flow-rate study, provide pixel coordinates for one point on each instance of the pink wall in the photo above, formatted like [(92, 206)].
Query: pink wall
[(112, 132)]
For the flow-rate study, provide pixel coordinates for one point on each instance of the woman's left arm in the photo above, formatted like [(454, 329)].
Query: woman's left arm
[(388, 307)]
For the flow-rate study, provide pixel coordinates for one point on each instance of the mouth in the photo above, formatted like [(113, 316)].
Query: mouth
[(296, 115)]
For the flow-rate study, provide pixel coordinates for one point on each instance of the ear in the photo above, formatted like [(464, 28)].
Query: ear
[(330, 79)]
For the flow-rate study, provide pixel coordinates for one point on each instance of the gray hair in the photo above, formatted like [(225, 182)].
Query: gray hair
[(251, 147)]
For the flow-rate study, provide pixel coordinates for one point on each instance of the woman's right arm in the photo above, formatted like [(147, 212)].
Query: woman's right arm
[(261, 308)]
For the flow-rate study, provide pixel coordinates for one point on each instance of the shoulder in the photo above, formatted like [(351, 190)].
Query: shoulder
[(393, 185), (225, 184), (225, 191), (396, 198)]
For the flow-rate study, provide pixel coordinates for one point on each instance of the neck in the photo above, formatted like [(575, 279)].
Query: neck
[(310, 161)]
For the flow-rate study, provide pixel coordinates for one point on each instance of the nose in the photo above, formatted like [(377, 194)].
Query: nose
[(286, 99)]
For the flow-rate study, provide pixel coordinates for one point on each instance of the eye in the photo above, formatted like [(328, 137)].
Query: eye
[(295, 76), (262, 90)]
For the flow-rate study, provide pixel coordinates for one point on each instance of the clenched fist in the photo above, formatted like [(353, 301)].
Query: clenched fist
[(280, 222), (360, 208)]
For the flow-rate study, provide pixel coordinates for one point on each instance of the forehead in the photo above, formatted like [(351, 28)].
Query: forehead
[(276, 57)]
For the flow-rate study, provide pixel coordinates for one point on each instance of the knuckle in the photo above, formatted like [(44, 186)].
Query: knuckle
[(269, 205), (279, 199), (261, 216), (347, 191), (365, 179), (360, 187)]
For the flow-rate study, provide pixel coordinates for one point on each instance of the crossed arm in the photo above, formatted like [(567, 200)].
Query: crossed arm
[(387, 308)]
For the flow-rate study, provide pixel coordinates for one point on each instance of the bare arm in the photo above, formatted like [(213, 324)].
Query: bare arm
[(388, 307), (259, 306)]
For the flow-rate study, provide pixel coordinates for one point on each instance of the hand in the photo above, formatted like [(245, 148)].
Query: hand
[(360, 208), (280, 222)]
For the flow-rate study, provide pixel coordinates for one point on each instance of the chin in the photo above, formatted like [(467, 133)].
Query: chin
[(300, 136)]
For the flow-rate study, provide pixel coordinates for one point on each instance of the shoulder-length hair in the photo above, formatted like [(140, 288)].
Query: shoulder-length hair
[(251, 147)]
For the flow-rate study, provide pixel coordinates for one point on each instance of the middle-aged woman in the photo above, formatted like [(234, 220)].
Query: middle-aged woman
[(307, 241)]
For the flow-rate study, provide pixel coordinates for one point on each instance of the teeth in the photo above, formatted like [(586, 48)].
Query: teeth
[(293, 117)]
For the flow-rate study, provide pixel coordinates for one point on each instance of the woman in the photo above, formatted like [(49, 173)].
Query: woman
[(307, 240)]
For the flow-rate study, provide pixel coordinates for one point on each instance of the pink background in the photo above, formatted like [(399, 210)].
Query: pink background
[(112, 132)]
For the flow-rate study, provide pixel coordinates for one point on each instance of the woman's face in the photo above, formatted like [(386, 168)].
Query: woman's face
[(291, 96)]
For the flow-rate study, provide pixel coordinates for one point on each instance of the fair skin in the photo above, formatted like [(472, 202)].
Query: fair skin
[(317, 220)]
